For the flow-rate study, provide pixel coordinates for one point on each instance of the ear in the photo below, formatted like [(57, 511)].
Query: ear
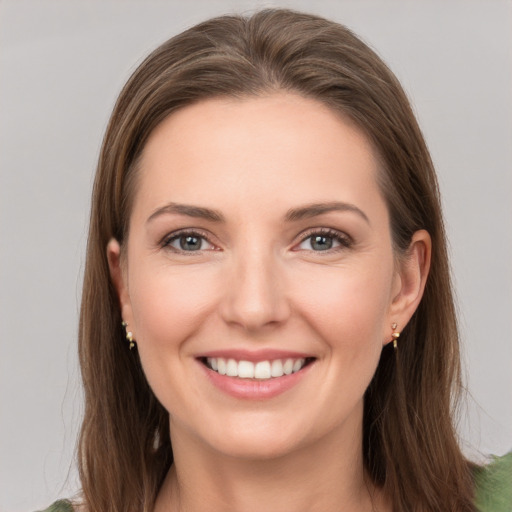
[(119, 280), (410, 279)]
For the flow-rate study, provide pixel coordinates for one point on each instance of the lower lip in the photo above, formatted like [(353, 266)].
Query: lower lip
[(254, 389)]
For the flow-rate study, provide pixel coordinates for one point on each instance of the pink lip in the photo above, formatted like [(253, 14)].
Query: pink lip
[(255, 355), (253, 389)]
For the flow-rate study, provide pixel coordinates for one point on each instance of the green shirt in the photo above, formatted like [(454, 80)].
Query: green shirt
[(493, 488), (60, 506), (493, 485)]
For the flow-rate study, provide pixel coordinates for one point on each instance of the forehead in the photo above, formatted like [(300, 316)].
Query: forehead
[(282, 147)]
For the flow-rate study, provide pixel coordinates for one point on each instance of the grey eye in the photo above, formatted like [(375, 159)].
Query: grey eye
[(189, 242), (321, 242), (325, 240)]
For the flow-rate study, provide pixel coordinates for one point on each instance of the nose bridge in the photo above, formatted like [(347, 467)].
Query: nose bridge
[(255, 297)]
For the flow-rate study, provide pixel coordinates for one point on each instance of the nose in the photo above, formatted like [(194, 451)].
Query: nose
[(255, 298)]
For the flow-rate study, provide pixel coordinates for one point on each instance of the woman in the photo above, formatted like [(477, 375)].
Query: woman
[(267, 319)]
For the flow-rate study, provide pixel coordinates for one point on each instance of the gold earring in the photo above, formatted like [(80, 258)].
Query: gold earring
[(395, 335), (129, 334)]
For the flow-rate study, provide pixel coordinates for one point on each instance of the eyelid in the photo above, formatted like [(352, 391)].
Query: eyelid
[(343, 238), (170, 237)]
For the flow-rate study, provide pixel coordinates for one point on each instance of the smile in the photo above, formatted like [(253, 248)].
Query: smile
[(255, 375), (261, 370)]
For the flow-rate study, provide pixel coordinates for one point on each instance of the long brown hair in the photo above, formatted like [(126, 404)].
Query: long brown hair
[(410, 444)]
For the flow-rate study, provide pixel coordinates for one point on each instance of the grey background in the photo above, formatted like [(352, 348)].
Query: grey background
[(62, 63)]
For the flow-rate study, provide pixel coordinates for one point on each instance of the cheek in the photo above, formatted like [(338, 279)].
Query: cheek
[(349, 312), (168, 303), (344, 312), (169, 308), (348, 308)]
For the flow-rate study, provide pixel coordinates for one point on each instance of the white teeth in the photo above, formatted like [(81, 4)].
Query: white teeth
[(232, 368), (261, 370), (246, 370), (288, 367), (276, 370), (297, 365), (221, 366)]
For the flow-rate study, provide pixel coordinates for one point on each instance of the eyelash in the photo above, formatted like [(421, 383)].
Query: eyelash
[(166, 242), (345, 241)]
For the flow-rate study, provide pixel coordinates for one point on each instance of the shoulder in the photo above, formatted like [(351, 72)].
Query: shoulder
[(59, 506), (493, 485)]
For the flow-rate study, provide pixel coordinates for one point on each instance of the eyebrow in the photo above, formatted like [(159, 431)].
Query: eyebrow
[(197, 212), (293, 215), (313, 210)]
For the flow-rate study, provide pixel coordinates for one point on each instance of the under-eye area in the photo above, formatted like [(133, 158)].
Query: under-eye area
[(262, 370)]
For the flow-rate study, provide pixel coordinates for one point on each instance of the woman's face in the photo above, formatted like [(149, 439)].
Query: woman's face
[(259, 245)]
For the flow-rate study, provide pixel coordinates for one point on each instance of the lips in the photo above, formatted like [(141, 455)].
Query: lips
[(255, 375)]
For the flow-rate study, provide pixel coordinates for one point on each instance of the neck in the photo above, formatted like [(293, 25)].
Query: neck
[(323, 477)]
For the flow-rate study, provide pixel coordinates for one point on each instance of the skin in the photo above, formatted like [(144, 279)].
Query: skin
[(259, 282)]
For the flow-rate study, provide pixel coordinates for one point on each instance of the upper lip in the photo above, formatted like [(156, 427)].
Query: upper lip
[(254, 355)]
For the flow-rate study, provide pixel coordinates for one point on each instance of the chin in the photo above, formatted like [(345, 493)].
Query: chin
[(256, 448), (258, 440)]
